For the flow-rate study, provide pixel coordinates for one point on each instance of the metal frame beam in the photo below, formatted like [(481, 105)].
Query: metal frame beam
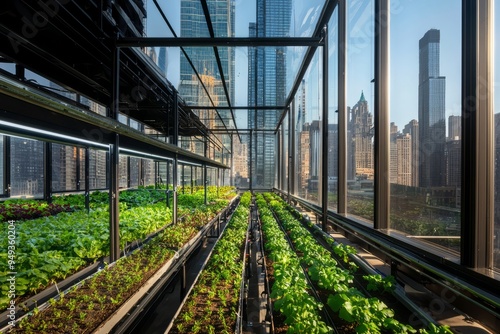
[(324, 146), (238, 107), (343, 117), (478, 158), (382, 130), (127, 42)]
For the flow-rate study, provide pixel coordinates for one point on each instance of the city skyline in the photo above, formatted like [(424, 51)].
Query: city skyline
[(406, 30)]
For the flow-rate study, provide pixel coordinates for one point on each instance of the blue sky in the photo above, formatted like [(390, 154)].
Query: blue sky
[(410, 19)]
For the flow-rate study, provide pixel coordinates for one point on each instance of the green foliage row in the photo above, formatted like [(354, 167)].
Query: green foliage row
[(81, 310), (290, 289), (370, 315), (212, 305), (48, 249)]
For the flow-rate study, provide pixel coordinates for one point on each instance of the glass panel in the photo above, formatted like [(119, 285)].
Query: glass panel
[(302, 143), (285, 153), (148, 172), (26, 168), (496, 239), (425, 102), (134, 171), (333, 149), (312, 129), (241, 160), (98, 169), (360, 131), (64, 167), (123, 172), (82, 169)]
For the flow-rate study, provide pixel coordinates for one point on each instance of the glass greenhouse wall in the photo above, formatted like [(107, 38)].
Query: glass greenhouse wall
[(379, 124)]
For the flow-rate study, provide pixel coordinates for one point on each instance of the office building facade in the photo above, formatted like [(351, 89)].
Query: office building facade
[(267, 85), (431, 112)]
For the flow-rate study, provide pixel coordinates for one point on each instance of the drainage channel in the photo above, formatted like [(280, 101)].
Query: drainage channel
[(257, 313)]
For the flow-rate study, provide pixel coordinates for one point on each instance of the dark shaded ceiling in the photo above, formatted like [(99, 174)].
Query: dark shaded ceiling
[(72, 42)]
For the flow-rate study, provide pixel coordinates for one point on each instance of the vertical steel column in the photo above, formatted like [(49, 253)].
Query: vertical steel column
[(231, 182), (157, 170), (284, 158), (250, 151), (278, 157), (218, 181), (291, 152), (324, 146), (382, 131), (342, 111), (205, 176), (128, 172), (141, 172), (478, 164), (78, 164), (47, 172), (114, 214), (191, 175), (175, 141), (6, 166), (183, 176), (87, 179), (114, 158)]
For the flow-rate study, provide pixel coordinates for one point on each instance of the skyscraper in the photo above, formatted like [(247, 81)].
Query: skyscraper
[(412, 130), (360, 133), (454, 127), (193, 24), (431, 112), (267, 84), (162, 60)]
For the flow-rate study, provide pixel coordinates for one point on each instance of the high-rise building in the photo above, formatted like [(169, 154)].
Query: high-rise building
[(431, 112), (304, 165), (393, 164), (162, 60), (360, 131), (412, 130), (193, 24), (26, 167), (453, 159), (454, 127), (404, 159), (267, 84)]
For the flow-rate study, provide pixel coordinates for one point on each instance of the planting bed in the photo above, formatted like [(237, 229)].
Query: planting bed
[(353, 311), (212, 305), (84, 308)]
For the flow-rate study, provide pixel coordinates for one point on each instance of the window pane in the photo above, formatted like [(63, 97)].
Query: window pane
[(333, 133), (426, 122), (496, 245), (123, 172), (64, 163), (360, 130), (134, 171), (97, 171), (26, 168)]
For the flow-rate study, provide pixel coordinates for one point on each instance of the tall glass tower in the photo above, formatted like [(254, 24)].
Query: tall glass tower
[(193, 24), (431, 112), (267, 86)]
